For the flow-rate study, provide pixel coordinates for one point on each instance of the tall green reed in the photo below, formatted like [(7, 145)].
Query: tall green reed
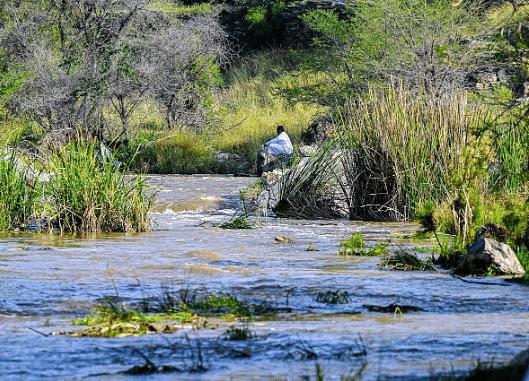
[(401, 149), (17, 197), (88, 193)]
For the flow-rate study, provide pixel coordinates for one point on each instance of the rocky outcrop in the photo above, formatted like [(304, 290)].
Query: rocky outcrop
[(487, 254)]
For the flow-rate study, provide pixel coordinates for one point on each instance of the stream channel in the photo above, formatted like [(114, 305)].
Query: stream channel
[(46, 281)]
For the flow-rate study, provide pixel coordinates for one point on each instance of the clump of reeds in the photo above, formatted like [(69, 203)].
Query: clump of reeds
[(17, 197), (89, 193), (401, 148), (404, 261)]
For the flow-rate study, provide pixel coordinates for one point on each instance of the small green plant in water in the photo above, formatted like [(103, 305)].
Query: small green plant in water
[(238, 223), (119, 321), (353, 245), (404, 261), (379, 250), (239, 333), (221, 304), (312, 248)]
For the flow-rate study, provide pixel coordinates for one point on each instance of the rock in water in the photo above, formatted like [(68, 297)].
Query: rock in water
[(487, 253)]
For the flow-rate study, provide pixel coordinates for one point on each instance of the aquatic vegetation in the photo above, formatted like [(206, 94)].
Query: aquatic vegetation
[(312, 248), (220, 304), (87, 193), (389, 176), (333, 297), (378, 250), (356, 246), (404, 261), (119, 321), (353, 246), (17, 198), (237, 223), (239, 333)]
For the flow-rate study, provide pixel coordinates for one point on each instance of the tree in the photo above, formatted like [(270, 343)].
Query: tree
[(428, 44), (88, 59)]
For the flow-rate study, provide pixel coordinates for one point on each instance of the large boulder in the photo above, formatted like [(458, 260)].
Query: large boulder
[(487, 253)]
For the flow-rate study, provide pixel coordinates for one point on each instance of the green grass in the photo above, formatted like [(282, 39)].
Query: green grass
[(251, 106), (356, 245), (17, 198), (172, 152), (220, 304), (404, 261), (86, 194), (119, 321), (523, 257)]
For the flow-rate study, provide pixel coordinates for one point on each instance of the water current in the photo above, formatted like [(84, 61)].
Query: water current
[(46, 281)]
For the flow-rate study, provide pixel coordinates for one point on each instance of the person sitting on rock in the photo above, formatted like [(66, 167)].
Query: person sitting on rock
[(275, 153)]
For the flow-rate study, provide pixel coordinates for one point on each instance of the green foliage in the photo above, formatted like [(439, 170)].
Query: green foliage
[(174, 9), (353, 246), (221, 304), (256, 16), (238, 223), (378, 250), (17, 198), (119, 321), (239, 333), (379, 40), (523, 257), (356, 246), (511, 145), (404, 261), (86, 193), (407, 149)]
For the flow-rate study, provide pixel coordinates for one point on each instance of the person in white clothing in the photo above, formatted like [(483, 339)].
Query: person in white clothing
[(276, 152)]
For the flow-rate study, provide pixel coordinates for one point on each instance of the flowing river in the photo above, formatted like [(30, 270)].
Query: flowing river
[(46, 281)]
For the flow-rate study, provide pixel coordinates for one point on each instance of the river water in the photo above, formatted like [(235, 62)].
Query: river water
[(45, 282)]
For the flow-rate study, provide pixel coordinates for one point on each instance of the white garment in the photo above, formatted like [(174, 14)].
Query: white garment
[(280, 145)]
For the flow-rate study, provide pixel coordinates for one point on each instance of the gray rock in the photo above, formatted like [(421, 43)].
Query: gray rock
[(486, 253)]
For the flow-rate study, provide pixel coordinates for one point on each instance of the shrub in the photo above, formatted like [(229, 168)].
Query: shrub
[(87, 193)]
